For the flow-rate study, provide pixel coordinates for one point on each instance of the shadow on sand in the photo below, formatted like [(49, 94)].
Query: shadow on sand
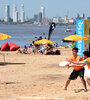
[(12, 82), (9, 63), (80, 90)]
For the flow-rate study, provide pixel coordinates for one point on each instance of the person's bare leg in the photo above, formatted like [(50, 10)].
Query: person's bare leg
[(88, 81), (2, 82), (67, 83), (84, 83)]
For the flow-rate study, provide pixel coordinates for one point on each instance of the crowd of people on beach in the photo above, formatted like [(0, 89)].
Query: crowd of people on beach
[(46, 48)]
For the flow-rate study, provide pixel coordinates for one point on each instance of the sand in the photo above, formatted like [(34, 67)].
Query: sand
[(38, 76)]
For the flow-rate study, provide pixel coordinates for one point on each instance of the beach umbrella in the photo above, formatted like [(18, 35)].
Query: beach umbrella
[(75, 38), (44, 41), (4, 36)]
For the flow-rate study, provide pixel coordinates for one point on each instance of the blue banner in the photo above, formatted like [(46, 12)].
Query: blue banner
[(80, 32)]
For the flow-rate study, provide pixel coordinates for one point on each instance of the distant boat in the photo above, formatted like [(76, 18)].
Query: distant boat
[(68, 30)]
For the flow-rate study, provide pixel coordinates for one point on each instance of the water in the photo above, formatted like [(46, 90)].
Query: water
[(21, 33)]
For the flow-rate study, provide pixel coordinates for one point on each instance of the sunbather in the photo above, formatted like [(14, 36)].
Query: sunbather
[(24, 50)]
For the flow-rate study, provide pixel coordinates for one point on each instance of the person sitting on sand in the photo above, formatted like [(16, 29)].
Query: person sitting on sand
[(50, 49), (43, 48), (77, 71), (31, 50)]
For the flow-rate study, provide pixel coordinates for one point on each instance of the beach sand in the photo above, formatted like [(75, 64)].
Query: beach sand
[(38, 76)]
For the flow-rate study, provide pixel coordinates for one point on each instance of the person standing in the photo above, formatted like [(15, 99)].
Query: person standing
[(86, 64), (77, 71)]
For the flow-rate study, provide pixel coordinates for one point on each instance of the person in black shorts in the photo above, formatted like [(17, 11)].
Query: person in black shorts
[(77, 70), (75, 74)]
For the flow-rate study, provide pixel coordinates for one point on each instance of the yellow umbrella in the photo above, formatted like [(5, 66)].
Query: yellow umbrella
[(75, 38), (4, 36), (44, 41)]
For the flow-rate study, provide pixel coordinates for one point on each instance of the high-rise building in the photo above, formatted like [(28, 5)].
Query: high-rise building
[(40, 18), (15, 13), (35, 18), (66, 19), (16, 16), (22, 14), (26, 19), (43, 15), (88, 18), (7, 13), (82, 16), (43, 12)]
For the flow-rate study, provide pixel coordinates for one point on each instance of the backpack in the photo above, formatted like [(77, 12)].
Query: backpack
[(57, 52)]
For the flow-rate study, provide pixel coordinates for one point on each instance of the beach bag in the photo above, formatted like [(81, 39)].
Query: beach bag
[(57, 52), (5, 47), (13, 47)]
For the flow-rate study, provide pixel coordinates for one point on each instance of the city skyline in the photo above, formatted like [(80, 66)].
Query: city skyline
[(38, 18), (52, 8)]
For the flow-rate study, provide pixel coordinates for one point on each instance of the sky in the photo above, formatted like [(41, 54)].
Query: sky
[(53, 8)]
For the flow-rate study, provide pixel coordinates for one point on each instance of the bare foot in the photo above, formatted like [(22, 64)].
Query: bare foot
[(65, 88), (85, 90)]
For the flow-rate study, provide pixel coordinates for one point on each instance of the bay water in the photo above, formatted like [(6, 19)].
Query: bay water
[(21, 33)]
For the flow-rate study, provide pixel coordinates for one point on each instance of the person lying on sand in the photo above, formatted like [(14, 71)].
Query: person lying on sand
[(24, 50)]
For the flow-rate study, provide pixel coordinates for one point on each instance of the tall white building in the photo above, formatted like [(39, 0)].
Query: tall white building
[(22, 14), (66, 19), (43, 12), (15, 13), (7, 13), (16, 16)]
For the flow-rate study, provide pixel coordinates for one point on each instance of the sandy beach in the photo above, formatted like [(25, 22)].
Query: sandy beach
[(38, 76)]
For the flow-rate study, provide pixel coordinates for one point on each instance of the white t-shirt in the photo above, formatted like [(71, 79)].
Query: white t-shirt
[(87, 71)]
